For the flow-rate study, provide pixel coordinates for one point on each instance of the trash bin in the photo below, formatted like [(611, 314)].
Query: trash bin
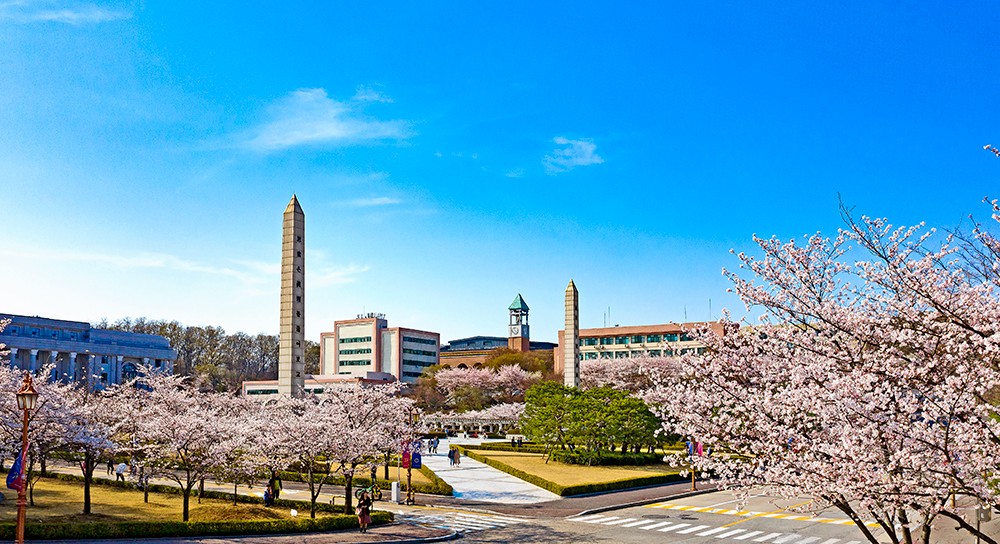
[(395, 493)]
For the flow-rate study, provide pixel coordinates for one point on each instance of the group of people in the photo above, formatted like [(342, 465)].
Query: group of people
[(432, 445), (454, 457), (119, 471), (515, 442), (273, 490)]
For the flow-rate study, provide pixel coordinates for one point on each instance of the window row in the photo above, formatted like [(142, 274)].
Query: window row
[(355, 339), (648, 353), (635, 339), (360, 351), (417, 340), (355, 363), (419, 352)]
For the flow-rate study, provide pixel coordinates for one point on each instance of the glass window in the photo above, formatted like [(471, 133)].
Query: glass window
[(670, 337), (638, 339), (606, 355), (654, 353), (685, 337), (621, 354), (590, 341), (621, 340), (607, 341), (654, 338), (590, 355)]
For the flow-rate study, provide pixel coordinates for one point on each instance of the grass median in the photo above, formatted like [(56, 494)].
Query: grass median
[(566, 480)]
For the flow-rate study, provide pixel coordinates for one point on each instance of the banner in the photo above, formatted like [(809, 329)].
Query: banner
[(15, 478), (406, 459), (415, 460)]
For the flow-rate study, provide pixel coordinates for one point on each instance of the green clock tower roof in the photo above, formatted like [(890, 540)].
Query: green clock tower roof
[(518, 304)]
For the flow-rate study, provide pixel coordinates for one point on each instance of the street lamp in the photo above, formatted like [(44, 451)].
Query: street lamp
[(26, 398)]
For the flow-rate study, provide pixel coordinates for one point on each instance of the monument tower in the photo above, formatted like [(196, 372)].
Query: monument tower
[(518, 338), (571, 338), (291, 343)]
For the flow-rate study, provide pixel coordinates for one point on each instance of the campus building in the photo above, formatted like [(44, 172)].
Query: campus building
[(81, 353), (472, 352), (643, 340), (366, 344)]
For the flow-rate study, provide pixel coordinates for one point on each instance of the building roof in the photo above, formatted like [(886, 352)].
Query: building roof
[(293, 206), (518, 304)]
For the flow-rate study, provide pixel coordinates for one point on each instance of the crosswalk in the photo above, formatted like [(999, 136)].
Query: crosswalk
[(694, 529), (460, 522), (746, 513)]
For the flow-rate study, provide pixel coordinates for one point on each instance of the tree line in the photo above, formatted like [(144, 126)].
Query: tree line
[(216, 360)]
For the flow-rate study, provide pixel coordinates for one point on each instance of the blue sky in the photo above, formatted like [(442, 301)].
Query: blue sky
[(451, 155)]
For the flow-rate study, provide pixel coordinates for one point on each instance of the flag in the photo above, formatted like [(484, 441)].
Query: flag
[(15, 478)]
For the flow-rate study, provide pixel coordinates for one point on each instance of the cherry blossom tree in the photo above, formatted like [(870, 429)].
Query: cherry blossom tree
[(188, 434), (632, 374), (865, 384), (477, 388)]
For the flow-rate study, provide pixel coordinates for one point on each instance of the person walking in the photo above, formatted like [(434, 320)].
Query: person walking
[(364, 511), (111, 465), (451, 457), (458, 458), (120, 472)]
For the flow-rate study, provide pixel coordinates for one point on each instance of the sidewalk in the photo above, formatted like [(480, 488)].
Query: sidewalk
[(394, 533), (476, 481)]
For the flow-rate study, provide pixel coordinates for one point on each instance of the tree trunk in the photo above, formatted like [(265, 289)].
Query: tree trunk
[(235, 489), (201, 489), (88, 474), (347, 492), (186, 491)]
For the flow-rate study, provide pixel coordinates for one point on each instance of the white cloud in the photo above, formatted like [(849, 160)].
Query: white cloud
[(310, 117), (374, 201), (370, 94), (29, 11), (515, 173), (251, 274), (574, 153), (335, 276)]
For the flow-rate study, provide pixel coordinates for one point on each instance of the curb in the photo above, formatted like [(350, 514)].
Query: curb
[(643, 502), (443, 538)]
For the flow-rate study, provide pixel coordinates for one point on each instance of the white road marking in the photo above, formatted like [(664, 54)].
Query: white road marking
[(784, 539), (765, 538), (693, 529), (674, 527), (711, 532), (638, 523), (808, 540), (585, 518), (730, 533), (601, 520), (749, 535), (655, 525), (619, 521)]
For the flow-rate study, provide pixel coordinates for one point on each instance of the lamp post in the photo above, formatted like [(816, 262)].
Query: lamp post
[(26, 398)]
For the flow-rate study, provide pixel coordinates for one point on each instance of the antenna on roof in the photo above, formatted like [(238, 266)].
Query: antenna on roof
[(709, 309), (685, 313)]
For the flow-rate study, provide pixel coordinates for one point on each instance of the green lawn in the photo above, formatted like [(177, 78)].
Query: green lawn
[(567, 475), (61, 501)]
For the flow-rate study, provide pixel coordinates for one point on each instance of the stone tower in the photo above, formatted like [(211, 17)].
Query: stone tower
[(291, 344), (518, 337), (571, 338)]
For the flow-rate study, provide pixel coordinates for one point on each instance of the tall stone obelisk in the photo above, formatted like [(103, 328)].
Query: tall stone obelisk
[(291, 343), (571, 338)]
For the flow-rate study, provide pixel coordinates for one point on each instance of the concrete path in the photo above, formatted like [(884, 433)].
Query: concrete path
[(475, 481)]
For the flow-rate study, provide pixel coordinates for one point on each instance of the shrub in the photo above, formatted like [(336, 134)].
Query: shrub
[(606, 458), (150, 529)]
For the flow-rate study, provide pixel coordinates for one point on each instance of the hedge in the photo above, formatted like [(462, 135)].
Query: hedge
[(505, 446), (606, 458), (150, 529), (569, 490)]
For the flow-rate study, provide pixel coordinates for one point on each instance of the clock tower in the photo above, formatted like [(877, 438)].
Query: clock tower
[(517, 329)]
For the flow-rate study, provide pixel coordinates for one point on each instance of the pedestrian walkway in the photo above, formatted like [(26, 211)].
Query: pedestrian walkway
[(475, 481), (693, 529), (460, 522)]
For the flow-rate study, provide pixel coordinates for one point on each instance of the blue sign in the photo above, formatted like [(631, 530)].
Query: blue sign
[(415, 460)]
